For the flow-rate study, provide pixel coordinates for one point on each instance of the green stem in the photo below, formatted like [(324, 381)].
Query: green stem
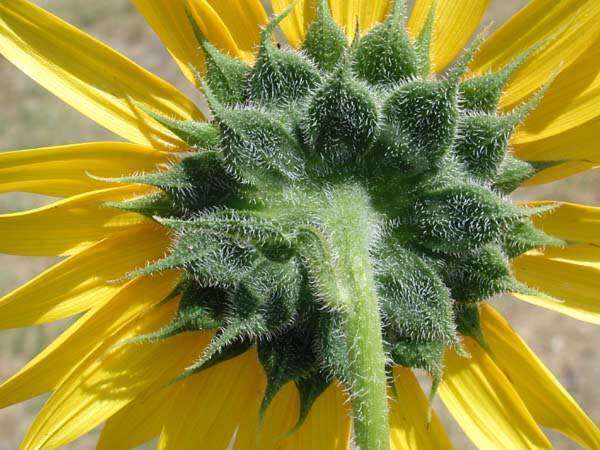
[(349, 223)]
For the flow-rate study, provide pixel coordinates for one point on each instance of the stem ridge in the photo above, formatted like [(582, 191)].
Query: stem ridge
[(350, 224)]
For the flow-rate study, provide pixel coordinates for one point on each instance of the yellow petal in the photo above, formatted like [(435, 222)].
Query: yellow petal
[(295, 25), (570, 26), (64, 170), (549, 403), (140, 421), (102, 385), (280, 419), (83, 281), (69, 225), (209, 405), (570, 221), (485, 404), (581, 143), (94, 79), (88, 335), (560, 172), (455, 23), (240, 19), (570, 275), (409, 422), (169, 21), (211, 24), (572, 99), (327, 426), (365, 13)]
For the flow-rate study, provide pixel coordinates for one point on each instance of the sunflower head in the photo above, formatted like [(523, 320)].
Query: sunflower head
[(340, 221), (302, 142)]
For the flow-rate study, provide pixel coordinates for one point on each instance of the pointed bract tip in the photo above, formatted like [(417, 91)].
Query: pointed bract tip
[(522, 111), (198, 34), (356, 38), (460, 67), (323, 8), (423, 41), (398, 11), (436, 379), (276, 19), (213, 101)]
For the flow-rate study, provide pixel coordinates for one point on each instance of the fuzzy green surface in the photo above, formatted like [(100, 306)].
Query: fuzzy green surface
[(345, 211)]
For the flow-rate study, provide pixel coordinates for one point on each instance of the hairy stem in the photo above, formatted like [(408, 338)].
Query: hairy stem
[(351, 228)]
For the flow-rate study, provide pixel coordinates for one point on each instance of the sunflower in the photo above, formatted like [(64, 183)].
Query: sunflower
[(271, 275)]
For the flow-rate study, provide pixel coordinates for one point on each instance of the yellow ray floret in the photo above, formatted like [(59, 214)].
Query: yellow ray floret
[(568, 27), (92, 334), (91, 77), (169, 21), (455, 23), (560, 171), (572, 100), (295, 25), (410, 426), (103, 384), (210, 405), (280, 419), (547, 401), (65, 170), (83, 281), (140, 421), (570, 275), (69, 225), (327, 425), (579, 144), (222, 23), (243, 18), (485, 404), (570, 221), (215, 30), (364, 13)]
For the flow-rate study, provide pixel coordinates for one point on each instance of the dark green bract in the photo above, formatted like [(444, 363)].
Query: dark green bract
[(301, 140)]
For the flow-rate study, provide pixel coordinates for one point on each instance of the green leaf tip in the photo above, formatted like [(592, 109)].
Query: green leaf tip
[(201, 135)]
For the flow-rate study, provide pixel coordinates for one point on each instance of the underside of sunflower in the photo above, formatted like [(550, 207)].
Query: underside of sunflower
[(344, 211)]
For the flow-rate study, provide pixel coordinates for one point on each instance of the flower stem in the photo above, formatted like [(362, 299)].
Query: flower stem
[(351, 229)]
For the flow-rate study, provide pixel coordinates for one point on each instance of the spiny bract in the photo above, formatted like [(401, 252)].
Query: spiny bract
[(250, 208)]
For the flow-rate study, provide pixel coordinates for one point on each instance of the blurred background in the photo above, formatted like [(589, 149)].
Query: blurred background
[(31, 117)]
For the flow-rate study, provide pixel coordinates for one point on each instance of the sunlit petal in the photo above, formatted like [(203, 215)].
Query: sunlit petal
[(569, 276), (90, 334), (296, 24), (549, 403), (91, 77), (68, 169), (362, 13), (410, 426), (69, 225), (572, 100), (210, 405), (486, 405), (99, 387), (568, 27), (455, 23)]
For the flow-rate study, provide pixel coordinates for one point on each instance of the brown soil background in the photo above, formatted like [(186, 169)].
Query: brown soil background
[(31, 117)]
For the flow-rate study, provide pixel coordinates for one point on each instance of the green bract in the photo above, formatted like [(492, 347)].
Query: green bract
[(332, 177)]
